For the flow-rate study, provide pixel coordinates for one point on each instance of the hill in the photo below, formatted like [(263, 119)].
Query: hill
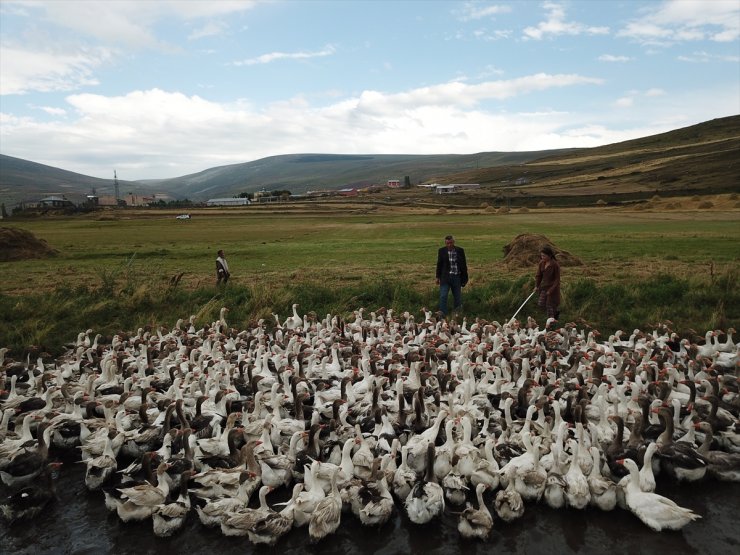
[(24, 180), (699, 159), (300, 173), (694, 160)]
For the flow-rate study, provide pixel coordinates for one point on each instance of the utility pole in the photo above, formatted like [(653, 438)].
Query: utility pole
[(115, 186)]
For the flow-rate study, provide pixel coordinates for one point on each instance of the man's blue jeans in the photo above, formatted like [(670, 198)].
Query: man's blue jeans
[(453, 284)]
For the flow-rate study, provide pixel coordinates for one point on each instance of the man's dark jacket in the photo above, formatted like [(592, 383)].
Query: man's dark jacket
[(443, 265)]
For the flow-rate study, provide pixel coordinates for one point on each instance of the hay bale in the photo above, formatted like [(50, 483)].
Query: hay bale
[(656, 198), (484, 205), (601, 202), (541, 204), (524, 251), (524, 209), (696, 197), (19, 244), (442, 211), (504, 210), (490, 210), (706, 204)]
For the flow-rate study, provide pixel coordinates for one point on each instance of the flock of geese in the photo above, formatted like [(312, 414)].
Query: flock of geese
[(370, 415)]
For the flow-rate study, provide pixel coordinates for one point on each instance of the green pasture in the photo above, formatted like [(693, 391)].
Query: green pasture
[(113, 275)]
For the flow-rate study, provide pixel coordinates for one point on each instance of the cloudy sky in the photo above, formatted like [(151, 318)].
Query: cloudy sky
[(165, 88)]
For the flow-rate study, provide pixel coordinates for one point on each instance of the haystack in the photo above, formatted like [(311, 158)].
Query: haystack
[(19, 244), (524, 251)]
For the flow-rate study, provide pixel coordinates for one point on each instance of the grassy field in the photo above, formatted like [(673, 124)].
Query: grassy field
[(113, 273)]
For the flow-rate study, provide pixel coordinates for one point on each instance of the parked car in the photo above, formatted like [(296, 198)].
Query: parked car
[(183, 217)]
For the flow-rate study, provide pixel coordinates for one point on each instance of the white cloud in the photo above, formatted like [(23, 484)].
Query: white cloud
[(156, 133), (26, 70), (686, 20), (210, 29), (702, 57), (625, 102), (472, 11), (126, 22), (612, 58), (556, 24), (54, 111), (273, 56), (654, 92)]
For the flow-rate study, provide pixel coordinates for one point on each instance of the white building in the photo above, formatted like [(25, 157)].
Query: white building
[(228, 202)]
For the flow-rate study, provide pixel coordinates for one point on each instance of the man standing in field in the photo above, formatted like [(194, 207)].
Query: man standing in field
[(222, 269), (452, 274)]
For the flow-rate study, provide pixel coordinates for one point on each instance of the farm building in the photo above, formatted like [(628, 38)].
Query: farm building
[(394, 183), (347, 192), (455, 187), (55, 201), (133, 199), (227, 202)]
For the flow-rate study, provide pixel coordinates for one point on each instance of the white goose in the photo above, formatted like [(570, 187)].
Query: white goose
[(239, 523), (99, 469), (310, 497), (379, 508), (138, 502), (603, 491), (272, 526), (577, 493), (214, 511), (426, 498), (403, 477), (656, 511), (476, 523), (326, 517), (508, 503), (487, 470), (168, 518)]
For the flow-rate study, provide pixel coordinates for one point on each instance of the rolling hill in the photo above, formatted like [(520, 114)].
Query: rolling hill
[(691, 160)]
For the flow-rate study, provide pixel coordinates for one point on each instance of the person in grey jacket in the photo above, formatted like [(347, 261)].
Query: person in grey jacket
[(452, 274)]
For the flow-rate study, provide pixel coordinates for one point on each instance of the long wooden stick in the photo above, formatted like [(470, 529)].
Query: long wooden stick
[(521, 307)]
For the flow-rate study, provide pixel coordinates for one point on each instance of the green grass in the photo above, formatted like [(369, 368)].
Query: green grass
[(114, 276)]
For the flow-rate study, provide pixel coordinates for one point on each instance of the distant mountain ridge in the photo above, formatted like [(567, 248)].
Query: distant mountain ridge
[(710, 144)]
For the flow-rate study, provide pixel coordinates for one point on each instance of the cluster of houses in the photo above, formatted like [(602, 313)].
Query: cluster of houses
[(60, 201)]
